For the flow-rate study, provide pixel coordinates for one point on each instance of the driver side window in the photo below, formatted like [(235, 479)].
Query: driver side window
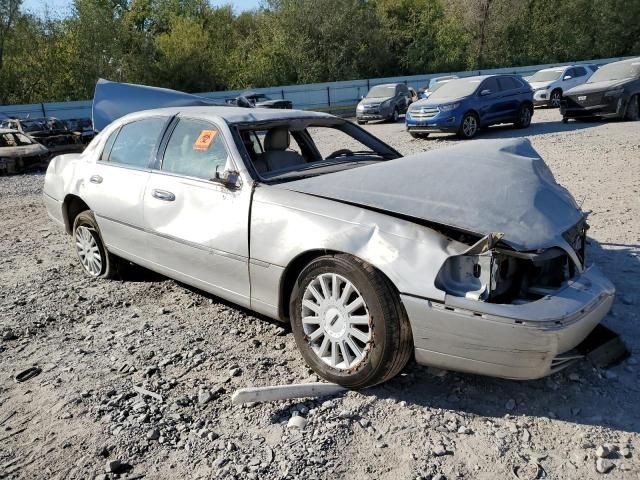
[(195, 149)]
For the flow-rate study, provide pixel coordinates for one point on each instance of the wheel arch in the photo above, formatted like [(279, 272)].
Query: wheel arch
[(71, 207), (294, 268)]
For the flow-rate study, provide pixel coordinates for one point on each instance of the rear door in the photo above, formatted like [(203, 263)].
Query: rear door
[(198, 227), (511, 98), (116, 182)]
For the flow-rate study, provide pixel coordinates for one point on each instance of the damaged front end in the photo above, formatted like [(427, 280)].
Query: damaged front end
[(494, 273), (516, 314)]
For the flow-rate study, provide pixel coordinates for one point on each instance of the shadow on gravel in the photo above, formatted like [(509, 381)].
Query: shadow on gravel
[(536, 128)]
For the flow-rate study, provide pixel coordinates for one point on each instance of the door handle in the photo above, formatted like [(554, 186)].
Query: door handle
[(163, 195), (95, 179)]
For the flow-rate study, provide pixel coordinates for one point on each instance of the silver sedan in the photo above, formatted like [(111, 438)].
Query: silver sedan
[(471, 258)]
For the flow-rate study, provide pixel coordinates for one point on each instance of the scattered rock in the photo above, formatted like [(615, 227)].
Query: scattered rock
[(603, 465), (602, 451), (298, 422), (153, 434), (204, 396), (117, 467)]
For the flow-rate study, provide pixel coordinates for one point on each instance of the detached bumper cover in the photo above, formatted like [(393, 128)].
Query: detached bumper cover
[(509, 341)]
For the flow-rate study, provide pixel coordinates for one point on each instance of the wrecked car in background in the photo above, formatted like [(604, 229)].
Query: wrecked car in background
[(371, 256), (18, 153), (613, 91), (49, 131), (83, 127), (384, 102), (259, 100)]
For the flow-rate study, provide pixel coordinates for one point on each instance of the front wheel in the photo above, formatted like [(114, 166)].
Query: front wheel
[(469, 126), (633, 108), (524, 117), (348, 322), (554, 99), (395, 115), (96, 261)]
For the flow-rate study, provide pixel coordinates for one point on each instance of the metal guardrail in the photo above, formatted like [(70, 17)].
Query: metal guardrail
[(335, 97)]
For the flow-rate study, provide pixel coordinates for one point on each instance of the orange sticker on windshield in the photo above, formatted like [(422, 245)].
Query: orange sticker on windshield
[(205, 139)]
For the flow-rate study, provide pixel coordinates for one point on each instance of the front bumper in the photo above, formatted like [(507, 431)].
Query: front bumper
[(419, 122), (508, 341), (603, 107), (541, 97)]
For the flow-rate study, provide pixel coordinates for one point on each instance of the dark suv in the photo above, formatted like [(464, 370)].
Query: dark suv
[(384, 102), (613, 91)]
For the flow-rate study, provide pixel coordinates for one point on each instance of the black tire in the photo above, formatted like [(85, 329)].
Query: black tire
[(108, 262), (633, 109), (523, 120), (361, 122), (469, 126), (419, 135), (565, 120), (391, 344), (395, 116), (555, 97)]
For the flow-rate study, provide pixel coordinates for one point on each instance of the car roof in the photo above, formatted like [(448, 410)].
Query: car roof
[(628, 60), (230, 114)]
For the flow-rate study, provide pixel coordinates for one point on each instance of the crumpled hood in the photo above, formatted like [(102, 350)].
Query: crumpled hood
[(482, 186), (596, 86)]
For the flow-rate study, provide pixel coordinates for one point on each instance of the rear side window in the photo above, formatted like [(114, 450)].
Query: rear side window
[(108, 145), (579, 72), (136, 142), (508, 83), (195, 149)]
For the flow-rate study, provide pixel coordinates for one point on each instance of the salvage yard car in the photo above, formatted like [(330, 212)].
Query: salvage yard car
[(260, 100), (19, 153), (465, 105), (49, 131), (371, 256), (548, 84), (384, 102), (611, 92)]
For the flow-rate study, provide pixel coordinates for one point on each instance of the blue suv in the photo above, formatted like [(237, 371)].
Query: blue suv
[(465, 105)]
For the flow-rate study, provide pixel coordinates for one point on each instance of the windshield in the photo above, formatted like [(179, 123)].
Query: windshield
[(457, 88), (382, 91), (545, 76), (436, 86), (616, 71), (33, 126)]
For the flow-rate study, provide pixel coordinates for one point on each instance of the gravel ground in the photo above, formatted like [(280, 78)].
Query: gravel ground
[(96, 340)]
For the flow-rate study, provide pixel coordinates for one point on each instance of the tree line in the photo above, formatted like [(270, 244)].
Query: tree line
[(192, 46)]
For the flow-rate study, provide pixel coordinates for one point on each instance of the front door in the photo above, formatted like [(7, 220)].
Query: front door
[(198, 226)]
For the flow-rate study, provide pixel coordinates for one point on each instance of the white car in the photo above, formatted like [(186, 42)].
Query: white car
[(549, 84)]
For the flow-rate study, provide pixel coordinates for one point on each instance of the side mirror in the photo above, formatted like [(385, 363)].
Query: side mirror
[(485, 92), (228, 178), (568, 77)]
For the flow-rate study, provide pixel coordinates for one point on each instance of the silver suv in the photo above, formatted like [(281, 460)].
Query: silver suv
[(384, 102)]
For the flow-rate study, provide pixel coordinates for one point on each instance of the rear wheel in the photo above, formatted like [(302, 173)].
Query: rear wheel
[(523, 119), (348, 322), (469, 126), (395, 115), (633, 108), (96, 261), (554, 99)]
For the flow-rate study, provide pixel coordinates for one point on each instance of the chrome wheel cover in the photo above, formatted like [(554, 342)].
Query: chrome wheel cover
[(555, 99), (88, 251), (336, 321), (469, 126)]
